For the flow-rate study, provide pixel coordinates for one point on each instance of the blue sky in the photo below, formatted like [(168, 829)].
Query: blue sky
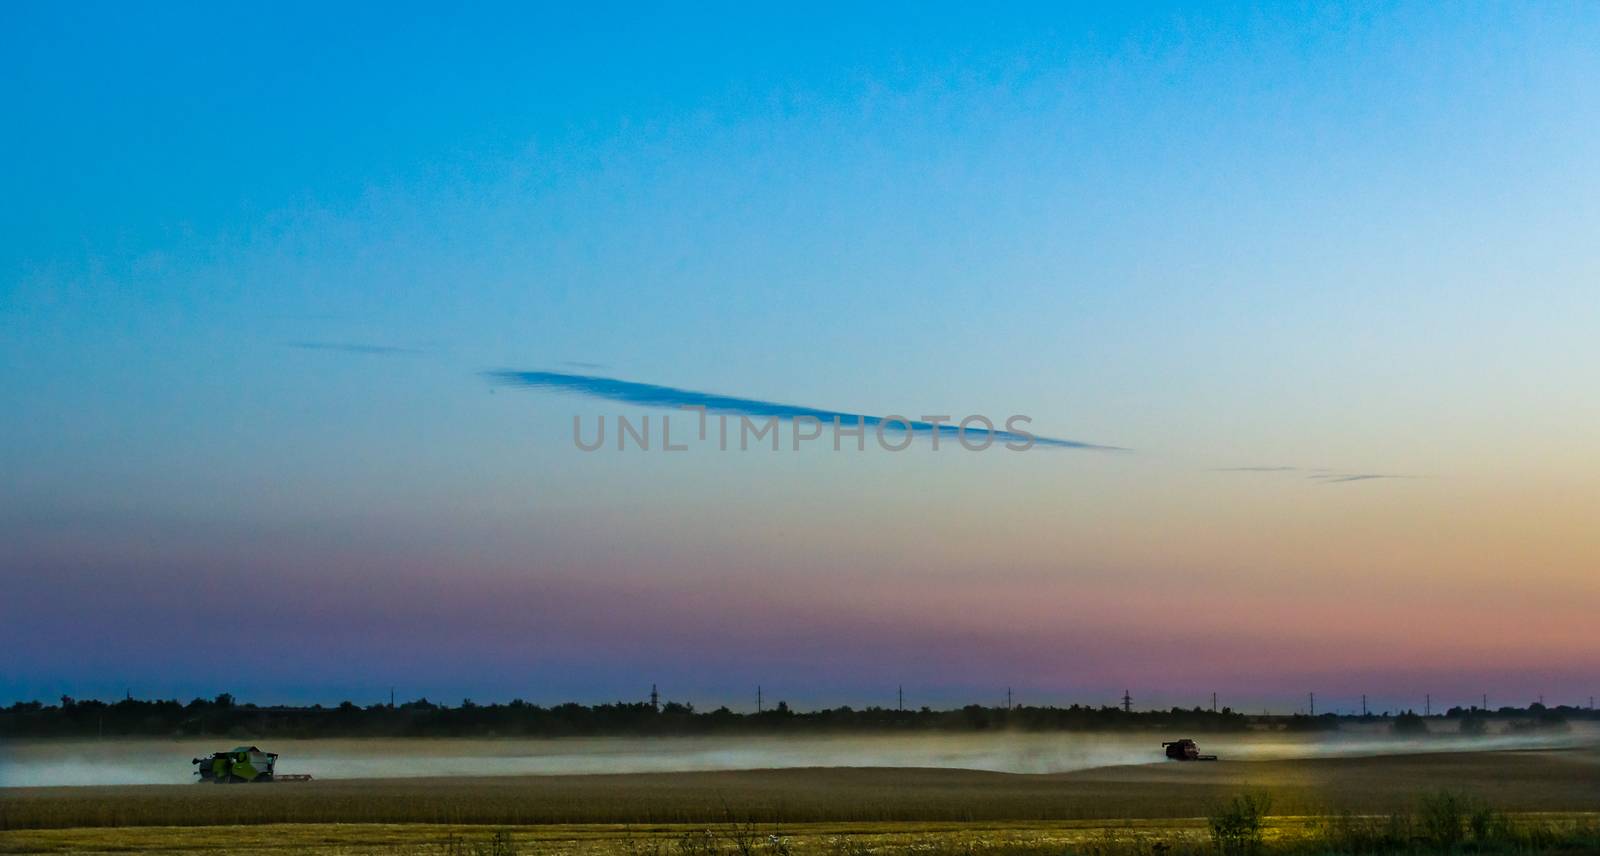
[(1354, 239)]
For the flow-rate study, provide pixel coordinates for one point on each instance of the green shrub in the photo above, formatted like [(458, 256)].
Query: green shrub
[(1443, 818), (1236, 825)]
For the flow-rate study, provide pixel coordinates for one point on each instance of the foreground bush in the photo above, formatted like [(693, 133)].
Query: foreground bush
[(1236, 825)]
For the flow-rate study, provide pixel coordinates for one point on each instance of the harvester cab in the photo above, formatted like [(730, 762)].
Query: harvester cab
[(239, 764), (1185, 750)]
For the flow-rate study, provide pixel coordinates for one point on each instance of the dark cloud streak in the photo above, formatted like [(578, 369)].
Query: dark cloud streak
[(652, 395)]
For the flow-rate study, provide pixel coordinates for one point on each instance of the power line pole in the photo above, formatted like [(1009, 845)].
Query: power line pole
[(1363, 704), (1213, 702), (900, 698), (1008, 698), (1485, 702), (1313, 697), (1427, 704), (655, 699), (1127, 702)]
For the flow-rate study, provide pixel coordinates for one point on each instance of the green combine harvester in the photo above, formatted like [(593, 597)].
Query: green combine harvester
[(241, 764)]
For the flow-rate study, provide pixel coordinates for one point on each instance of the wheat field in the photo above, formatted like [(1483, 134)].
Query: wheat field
[(808, 810)]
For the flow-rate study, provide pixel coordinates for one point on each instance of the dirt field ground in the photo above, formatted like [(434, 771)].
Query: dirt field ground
[(812, 809), (1513, 781)]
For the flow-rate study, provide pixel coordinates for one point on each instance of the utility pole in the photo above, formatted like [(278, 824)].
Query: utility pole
[(1485, 702), (1127, 702), (1313, 697), (900, 698), (1213, 702), (1008, 698), (1427, 704), (758, 698), (391, 698), (655, 699), (1363, 704)]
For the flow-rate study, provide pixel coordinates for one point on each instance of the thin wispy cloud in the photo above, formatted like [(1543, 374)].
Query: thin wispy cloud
[(652, 395), (357, 348), (1324, 475), (1338, 478)]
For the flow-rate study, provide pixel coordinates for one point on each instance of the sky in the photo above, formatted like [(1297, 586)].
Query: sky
[(299, 306)]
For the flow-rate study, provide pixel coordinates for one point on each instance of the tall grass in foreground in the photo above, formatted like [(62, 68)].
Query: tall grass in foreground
[(1449, 822), (1443, 822), (240, 820)]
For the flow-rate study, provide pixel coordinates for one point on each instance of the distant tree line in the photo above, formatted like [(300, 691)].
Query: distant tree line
[(422, 718), (223, 716)]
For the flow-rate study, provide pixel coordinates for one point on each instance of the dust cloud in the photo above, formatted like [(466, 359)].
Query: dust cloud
[(33, 763)]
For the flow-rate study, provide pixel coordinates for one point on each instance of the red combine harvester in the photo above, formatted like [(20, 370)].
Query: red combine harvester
[(1185, 750)]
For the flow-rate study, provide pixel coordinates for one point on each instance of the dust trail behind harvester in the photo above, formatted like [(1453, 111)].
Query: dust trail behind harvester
[(48, 763)]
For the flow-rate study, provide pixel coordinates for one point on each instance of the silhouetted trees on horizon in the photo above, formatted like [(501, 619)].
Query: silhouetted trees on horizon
[(225, 716)]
